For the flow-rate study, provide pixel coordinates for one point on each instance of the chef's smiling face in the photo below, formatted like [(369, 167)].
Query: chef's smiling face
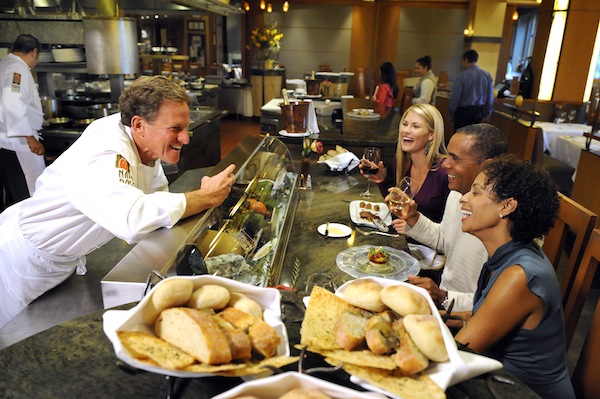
[(164, 137)]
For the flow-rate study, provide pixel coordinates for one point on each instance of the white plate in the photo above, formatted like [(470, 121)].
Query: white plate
[(355, 262), (277, 385), (336, 230), (303, 95), (383, 213), (461, 366), (132, 320), (286, 134), (371, 117)]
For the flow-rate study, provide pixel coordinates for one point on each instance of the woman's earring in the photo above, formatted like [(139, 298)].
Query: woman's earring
[(501, 216), (427, 147)]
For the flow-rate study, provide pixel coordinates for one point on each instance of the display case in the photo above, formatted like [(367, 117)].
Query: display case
[(244, 238)]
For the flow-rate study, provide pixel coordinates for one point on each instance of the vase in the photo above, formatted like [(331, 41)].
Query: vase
[(269, 64)]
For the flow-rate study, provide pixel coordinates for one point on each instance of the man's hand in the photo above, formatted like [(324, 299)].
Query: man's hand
[(437, 295), (212, 192), (409, 212), (35, 146)]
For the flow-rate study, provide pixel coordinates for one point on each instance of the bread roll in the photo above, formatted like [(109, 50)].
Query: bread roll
[(350, 330), (168, 294), (408, 357), (404, 300), (263, 338), (209, 296), (425, 331), (365, 294), (238, 340), (194, 332), (381, 338), (245, 304)]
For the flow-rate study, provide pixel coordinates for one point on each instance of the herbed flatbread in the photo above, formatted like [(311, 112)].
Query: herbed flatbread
[(360, 358), (255, 368), (318, 326), (142, 345), (418, 386)]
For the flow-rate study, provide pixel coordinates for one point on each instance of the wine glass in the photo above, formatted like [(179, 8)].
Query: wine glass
[(572, 115), (402, 194), (370, 166)]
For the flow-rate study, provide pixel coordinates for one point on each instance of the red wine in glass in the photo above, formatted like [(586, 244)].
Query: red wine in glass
[(370, 166)]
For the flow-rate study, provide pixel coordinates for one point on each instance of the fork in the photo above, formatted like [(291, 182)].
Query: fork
[(381, 233)]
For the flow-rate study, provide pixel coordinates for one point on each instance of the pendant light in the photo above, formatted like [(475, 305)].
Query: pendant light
[(269, 8), (515, 15), (286, 6), (263, 5)]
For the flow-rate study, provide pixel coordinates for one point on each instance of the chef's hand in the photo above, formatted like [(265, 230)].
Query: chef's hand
[(437, 295), (212, 192), (35, 146)]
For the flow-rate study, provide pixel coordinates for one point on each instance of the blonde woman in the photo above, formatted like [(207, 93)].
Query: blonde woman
[(419, 155)]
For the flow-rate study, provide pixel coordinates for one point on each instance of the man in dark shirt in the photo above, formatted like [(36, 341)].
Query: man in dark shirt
[(472, 96)]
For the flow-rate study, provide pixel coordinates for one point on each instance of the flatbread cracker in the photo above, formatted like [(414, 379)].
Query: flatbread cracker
[(418, 386), (318, 326), (364, 358), (255, 368), (163, 353)]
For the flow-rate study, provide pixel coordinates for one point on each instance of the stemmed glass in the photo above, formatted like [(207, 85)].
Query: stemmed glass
[(572, 115), (370, 162), (402, 194)]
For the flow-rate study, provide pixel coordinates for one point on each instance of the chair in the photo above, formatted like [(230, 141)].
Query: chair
[(585, 376), (577, 219)]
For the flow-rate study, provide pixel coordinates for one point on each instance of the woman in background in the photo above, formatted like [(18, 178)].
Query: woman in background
[(387, 91), (426, 90), (517, 314)]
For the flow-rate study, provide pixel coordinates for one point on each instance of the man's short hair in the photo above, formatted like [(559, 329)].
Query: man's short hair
[(146, 95), (25, 44), (471, 56), (489, 141)]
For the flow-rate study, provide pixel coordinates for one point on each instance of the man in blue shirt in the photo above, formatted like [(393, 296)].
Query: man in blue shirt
[(472, 96)]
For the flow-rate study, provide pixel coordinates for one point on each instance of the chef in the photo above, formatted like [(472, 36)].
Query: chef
[(110, 182), (21, 116)]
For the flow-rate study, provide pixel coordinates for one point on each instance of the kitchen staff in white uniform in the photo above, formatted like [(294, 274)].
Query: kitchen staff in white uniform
[(109, 183), (21, 117)]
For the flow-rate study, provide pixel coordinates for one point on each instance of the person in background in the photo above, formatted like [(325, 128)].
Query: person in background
[(21, 117), (468, 150), (472, 95), (419, 155), (426, 90), (109, 183), (511, 203), (387, 91)]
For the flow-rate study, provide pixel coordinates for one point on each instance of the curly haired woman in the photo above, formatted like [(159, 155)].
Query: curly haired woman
[(517, 309)]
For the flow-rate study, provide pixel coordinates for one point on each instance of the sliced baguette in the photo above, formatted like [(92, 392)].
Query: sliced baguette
[(408, 357), (350, 330), (381, 338)]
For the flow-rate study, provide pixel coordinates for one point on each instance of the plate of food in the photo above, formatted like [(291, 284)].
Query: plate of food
[(366, 213), (380, 261), (363, 113), (293, 385), (402, 348), (199, 326)]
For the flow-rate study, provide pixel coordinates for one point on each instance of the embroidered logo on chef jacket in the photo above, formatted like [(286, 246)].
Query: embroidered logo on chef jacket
[(124, 172), (16, 83)]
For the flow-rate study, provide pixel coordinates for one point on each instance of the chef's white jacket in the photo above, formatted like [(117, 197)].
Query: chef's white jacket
[(95, 190), (20, 106)]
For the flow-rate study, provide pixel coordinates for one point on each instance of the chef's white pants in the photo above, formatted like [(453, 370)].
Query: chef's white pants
[(25, 271), (33, 165)]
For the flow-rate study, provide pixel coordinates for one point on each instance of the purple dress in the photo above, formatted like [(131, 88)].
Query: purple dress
[(431, 198)]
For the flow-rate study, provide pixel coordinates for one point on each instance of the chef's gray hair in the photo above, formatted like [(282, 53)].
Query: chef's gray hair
[(146, 95)]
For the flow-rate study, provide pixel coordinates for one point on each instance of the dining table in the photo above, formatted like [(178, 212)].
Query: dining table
[(75, 358), (552, 131), (568, 149)]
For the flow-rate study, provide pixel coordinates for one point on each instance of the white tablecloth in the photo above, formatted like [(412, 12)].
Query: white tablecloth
[(551, 132), (568, 149)]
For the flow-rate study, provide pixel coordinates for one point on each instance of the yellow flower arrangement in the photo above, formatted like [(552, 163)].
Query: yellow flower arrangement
[(267, 40)]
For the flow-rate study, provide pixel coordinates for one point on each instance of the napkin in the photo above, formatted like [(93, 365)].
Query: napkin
[(344, 161), (427, 257), (312, 125)]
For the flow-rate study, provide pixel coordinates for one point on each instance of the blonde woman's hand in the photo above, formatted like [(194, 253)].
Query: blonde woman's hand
[(377, 177)]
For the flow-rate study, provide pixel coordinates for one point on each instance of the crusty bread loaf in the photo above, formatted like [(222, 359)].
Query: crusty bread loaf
[(365, 294), (263, 338), (168, 294), (245, 304), (209, 296), (238, 340), (404, 300), (408, 357), (350, 330), (194, 332), (425, 331), (381, 338)]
